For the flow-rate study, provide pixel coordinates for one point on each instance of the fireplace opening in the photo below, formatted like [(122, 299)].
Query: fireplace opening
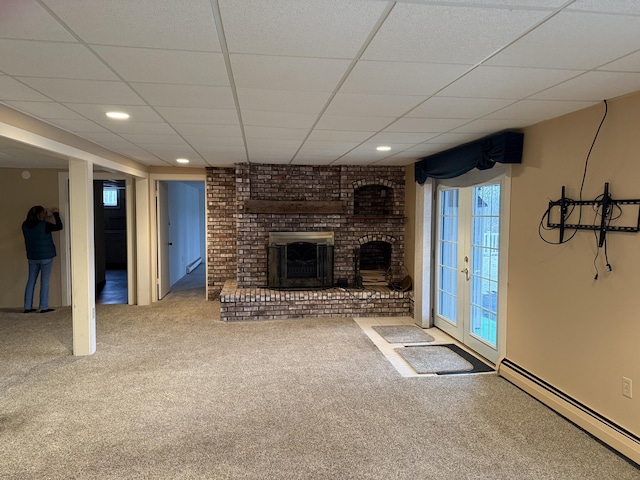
[(302, 260), (374, 261)]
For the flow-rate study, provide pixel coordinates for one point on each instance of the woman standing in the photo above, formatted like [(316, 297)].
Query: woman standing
[(40, 253)]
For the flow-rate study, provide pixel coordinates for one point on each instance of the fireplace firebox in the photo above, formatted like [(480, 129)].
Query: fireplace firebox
[(300, 260)]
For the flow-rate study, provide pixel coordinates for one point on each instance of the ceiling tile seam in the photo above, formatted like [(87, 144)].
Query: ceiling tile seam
[(474, 67), (356, 58), (217, 17), (99, 58)]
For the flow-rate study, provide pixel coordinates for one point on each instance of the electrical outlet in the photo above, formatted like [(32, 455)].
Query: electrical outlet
[(627, 390)]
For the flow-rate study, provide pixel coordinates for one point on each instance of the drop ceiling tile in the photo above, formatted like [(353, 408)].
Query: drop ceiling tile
[(78, 126), (488, 126), (593, 86), (506, 82), (287, 73), (252, 131), (357, 158), (282, 100), (369, 148), (278, 119), (204, 96), (211, 116), (331, 149), (11, 89), (353, 122), (374, 105), (273, 144), (401, 137), (339, 136), (151, 139), (573, 40), (132, 127), (207, 143), (400, 160), (84, 91), (54, 60), (424, 33), (46, 110), (628, 63), (453, 138), (166, 66), (107, 140), (401, 78), (537, 110), (189, 129), (97, 112), (629, 7), (173, 24), (170, 152), (426, 125), (457, 107), (303, 28), (26, 19)]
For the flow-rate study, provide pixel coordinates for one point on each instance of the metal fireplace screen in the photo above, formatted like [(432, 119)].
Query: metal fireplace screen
[(302, 260)]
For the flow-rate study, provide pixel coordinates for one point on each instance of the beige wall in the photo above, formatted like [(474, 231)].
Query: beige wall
[(17, 197), (580, 335)]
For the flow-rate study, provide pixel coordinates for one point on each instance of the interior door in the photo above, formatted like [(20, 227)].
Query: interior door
[(163, 243), (467, 260)]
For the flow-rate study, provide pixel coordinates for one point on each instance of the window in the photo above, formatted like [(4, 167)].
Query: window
[(110, 197)]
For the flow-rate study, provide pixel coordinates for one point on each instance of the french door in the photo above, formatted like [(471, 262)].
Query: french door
[(468, 254)]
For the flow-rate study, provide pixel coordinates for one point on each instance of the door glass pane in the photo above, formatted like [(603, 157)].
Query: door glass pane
[(448, 255), (484, 262)]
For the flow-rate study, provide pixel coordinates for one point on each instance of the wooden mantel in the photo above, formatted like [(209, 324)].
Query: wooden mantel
[(294, 206)]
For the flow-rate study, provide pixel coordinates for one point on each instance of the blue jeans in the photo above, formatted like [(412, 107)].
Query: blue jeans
[(36, 267)]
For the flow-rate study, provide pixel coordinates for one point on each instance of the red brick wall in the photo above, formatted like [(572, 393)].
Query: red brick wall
[(295, 182)]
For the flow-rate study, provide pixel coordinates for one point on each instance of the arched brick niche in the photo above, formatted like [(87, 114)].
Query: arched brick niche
[(375, 197)]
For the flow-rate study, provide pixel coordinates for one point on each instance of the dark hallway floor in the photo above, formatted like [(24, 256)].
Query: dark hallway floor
[(191, 285)]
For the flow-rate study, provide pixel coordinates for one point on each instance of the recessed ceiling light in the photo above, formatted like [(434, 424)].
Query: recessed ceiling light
[(182, 160), (118, 115), (383, 148)]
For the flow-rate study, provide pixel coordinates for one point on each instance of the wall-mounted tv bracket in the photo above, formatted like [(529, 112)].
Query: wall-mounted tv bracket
[(604, 203)]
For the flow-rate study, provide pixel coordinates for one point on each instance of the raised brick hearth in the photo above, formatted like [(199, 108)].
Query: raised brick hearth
[(358, 204)]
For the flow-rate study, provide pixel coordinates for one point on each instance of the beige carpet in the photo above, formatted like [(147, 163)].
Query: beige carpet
[(173, 393)]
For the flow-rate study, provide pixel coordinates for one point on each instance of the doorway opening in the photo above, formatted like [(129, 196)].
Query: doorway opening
[(180, 239), (110, 237)]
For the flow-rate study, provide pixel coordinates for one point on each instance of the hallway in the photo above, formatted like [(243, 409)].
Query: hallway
[(191, 286)]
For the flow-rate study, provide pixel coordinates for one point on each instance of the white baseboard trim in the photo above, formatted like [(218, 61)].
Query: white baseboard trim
[(193, 265), (597, 425)]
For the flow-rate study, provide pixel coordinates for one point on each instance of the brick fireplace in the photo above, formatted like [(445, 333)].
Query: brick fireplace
[(362, 208)]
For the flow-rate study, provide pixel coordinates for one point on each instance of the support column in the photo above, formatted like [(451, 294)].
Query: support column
[(144, 282), (82, 257), (423, 257)]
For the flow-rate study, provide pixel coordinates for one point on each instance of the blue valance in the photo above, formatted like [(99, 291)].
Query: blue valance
[(505, 147)]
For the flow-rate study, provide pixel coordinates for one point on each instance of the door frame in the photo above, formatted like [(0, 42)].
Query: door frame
[(470, 179), (201, 176), (65, 236)]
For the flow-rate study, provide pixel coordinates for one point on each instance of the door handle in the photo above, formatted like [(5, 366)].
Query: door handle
[(169, 243), (465, 270)]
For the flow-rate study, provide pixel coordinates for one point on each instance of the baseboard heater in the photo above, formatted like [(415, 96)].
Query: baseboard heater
[(591, 421), (193, 265)]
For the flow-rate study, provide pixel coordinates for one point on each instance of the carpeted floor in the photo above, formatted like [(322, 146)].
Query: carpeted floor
[(173, 393)]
